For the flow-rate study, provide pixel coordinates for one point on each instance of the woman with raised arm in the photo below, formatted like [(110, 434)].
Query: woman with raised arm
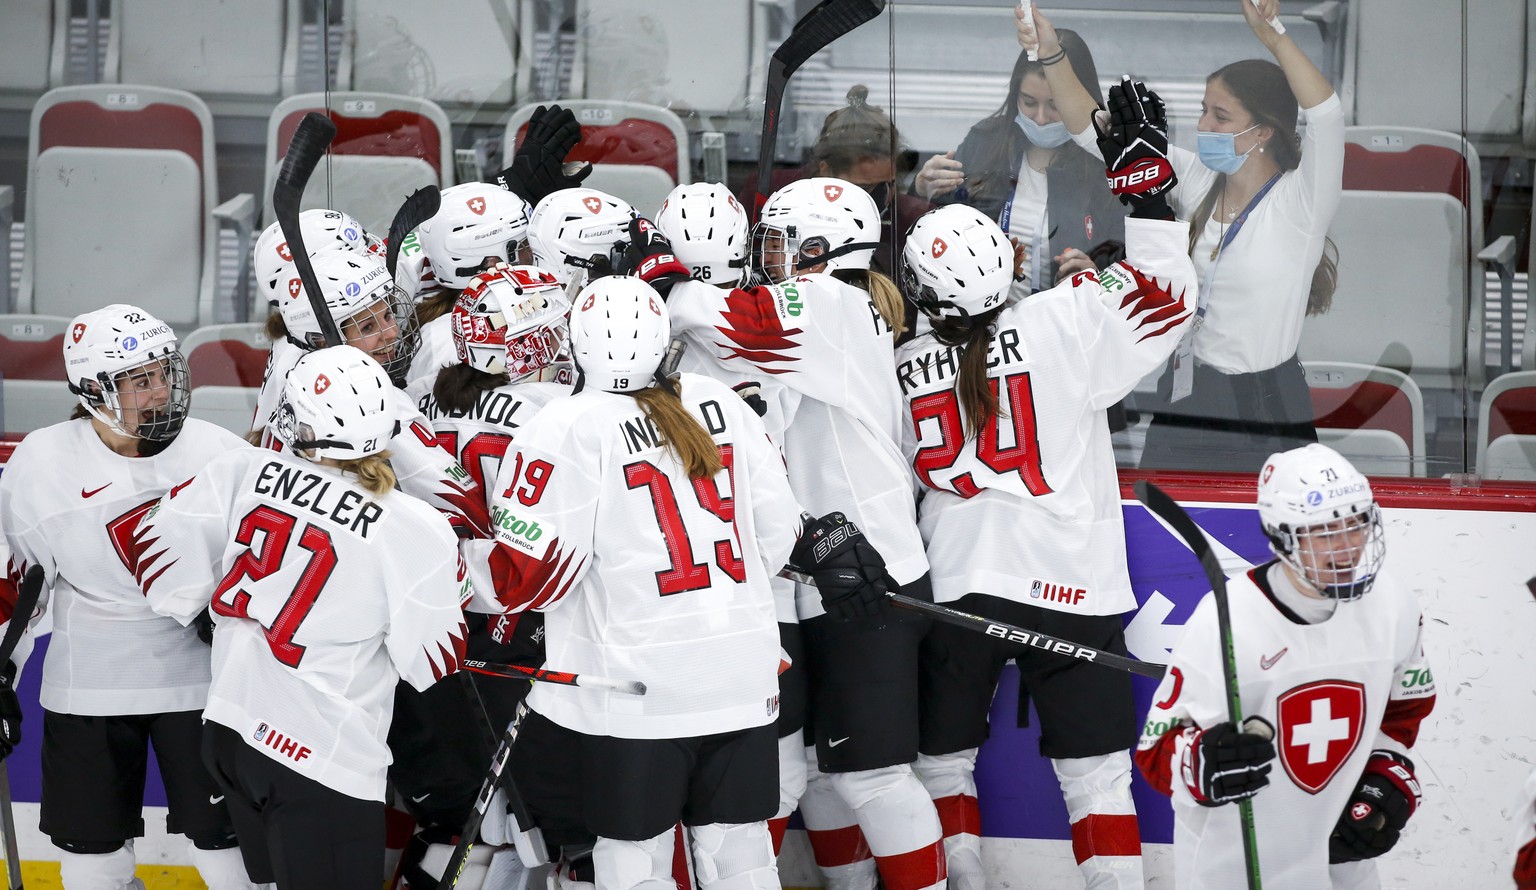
[(1259, 204)]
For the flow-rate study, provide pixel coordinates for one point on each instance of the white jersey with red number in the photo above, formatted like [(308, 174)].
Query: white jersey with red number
[(73, 506), (825, 341), (644, 574), (478, 438), (1334, 691), (423, 469), (324, 597), (1029, 510)]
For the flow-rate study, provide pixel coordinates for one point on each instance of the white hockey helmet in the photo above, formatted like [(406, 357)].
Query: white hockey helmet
[(1321, 520), (123, 365), (475, 221), (813, 222), (708, 230), (957, 263), (619, 334), (370, 311), (336, 403), (571, 226), (512, 320), (323, 230)]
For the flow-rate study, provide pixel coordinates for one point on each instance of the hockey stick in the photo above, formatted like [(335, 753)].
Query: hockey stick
[(1168, 510), (493, 780), (27, 595), (308, 146), (827, 21), (1012, 633), (421, 206), (560, 678)]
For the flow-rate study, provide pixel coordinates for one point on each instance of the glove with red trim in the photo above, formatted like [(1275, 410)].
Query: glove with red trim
[(1135, 150), (1373, 820), (1221, 765)]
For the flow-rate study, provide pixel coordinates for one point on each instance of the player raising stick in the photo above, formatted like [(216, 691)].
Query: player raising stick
[(1330, 665)]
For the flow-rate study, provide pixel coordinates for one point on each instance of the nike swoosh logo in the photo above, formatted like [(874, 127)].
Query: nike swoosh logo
[(215, 800), (86, 494), (834, 743), (1269, 662), (421, 798)]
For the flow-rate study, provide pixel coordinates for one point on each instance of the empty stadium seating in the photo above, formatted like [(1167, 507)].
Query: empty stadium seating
[(638, 152), (1373, 416), (226, 363), (33, 392), (460, 54), (1506, 428)]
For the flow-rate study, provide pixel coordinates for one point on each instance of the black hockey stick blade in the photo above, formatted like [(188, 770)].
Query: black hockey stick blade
[(27, 595), (827, 21), (1167, 509), (1531, 586), (308, 146), (8, 826), (421, 206), (495, 777)]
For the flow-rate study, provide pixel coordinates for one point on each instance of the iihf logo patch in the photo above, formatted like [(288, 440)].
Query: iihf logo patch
[(476, 206), (594, 204), (832, 192), (1034, 590), (939, 247), (260, 733)]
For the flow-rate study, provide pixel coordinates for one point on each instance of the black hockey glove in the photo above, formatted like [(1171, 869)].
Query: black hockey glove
[(1373, 819), (1221, 765), (752, 394), (203, 621), (649, 257), (538, 168), (850, 575), (1135, 150), (10, 711)]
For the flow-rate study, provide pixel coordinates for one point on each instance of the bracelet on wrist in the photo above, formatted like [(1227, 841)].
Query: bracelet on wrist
[(1055, 57)]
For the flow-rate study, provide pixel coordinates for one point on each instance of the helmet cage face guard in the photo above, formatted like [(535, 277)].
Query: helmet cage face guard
[(105, 393), (398, 307), (511, 320), (797, 254), (1339, 559)]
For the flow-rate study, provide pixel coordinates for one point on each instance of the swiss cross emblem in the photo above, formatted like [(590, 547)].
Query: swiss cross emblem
[(294, 286), (1360, 811), (476, 206), (939, 247), (833, 192), (1320, 727), (1269, 470), (593, 203), (322, 383), (78, 332), (284, 252)]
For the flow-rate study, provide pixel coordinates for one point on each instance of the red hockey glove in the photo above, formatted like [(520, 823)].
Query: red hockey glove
[(1221, 765), (649, 256), (850, 574), (1373, 819), (1135, 150)]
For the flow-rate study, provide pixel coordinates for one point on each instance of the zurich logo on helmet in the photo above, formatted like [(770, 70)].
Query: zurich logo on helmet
[(352, 289), (349, 233), (1314, 498), (130, 344)]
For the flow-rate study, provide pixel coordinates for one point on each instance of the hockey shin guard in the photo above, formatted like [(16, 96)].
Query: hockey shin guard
[(951, 782), (792, 779), (1105, 838), (837, 843), (223, 869), (734, 856), (635, 865), (899, 820)]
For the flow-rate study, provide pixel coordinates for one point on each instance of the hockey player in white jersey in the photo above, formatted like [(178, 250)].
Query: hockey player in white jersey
[(324, 230), (708, 233), (1330, 660), (477, 225), (575, 232), (117, 678), (327, 587), (823, 327), (644, 515), (1021, 513)]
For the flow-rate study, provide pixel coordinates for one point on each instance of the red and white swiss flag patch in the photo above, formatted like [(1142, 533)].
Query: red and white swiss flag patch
[(322, 383), (594, 203), (939, 247), (78, 332), (476, 205), (1320, 727), (294, 287), (832, 192), (284, 252)]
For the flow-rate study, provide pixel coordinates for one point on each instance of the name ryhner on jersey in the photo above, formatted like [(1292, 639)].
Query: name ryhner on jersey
[(321, 495), (931, 367)]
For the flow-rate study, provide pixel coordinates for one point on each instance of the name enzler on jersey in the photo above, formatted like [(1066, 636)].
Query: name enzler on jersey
[(931, 367), (321, 495)]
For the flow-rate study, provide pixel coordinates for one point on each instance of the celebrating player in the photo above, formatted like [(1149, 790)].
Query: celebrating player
[(327, 586), (1022, 516), (117, 678), (1331, 670), (645, 515)]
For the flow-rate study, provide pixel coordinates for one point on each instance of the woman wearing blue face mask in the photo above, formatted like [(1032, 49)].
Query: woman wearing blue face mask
[(1259, 204), (1021, 167)]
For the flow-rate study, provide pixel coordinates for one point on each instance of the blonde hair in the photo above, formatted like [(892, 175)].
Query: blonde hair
[(374, 473), (680, 431)]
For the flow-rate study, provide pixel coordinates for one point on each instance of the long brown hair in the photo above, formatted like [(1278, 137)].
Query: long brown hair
[(1261, 88), (437, 305), (882, 291), (971, 337), (459, 386), (681, 432), (374, 472)]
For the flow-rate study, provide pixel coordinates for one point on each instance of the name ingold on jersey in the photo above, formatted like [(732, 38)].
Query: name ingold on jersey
[(320, 495), (931, 367)]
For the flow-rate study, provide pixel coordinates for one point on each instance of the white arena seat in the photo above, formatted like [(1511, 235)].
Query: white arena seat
[(26, 47), (33, 392), (1506, 428), (1373, 416)]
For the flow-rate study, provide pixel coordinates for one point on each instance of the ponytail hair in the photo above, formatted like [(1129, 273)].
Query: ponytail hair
[(882, 292), (458, 386), (374, 473), (276, 330), (437, 305), (972, 336), (681, 432)]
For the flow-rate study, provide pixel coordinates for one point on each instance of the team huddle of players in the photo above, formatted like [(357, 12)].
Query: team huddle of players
[(564, 433)]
